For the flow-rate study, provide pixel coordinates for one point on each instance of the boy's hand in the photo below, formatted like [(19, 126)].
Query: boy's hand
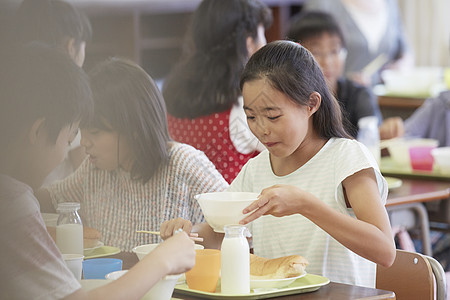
[(177, 253)]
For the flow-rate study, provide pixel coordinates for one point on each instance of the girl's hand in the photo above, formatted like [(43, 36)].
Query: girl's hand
[(278, 200), (169, 227), (177, 252)]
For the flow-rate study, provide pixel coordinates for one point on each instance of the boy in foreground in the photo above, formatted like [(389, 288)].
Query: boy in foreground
[(43, 97)]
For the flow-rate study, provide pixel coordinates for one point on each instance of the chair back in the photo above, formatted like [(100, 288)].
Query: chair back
[(440, 277), (410, 277)]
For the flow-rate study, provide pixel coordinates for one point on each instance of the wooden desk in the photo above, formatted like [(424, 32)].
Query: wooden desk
[(418, 190), (403, 107), (400, 102)]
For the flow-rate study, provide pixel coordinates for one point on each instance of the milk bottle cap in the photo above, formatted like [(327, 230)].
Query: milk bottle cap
[(68, 206)]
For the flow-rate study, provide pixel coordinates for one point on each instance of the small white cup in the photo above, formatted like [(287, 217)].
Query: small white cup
[(74, 262)]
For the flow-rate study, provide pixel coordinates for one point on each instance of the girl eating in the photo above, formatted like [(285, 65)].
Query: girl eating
[(321, 193), (136, 176)]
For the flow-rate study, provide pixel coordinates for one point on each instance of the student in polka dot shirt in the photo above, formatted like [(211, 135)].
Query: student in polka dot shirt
[(202, 92)]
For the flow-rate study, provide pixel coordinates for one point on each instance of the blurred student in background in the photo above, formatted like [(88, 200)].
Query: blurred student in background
[(202, 92), (373, 31), (58, 24), (431, 120), (320, 33)]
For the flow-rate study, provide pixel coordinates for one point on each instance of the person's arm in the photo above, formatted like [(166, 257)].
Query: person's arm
[(174, 256), (418, 124), (369, 235), (391, 128)]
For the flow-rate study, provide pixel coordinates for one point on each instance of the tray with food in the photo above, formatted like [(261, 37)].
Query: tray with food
[(305, 284), (268, 278), (389, 168)]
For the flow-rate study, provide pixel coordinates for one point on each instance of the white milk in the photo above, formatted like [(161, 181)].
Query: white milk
[(235, 266), (69, 238)]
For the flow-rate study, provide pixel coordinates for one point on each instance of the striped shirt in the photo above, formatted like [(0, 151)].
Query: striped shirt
[(322, 176), (117, 205)]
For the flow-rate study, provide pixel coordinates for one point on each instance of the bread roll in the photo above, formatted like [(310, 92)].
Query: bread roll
[(91, 236), (277, 268)]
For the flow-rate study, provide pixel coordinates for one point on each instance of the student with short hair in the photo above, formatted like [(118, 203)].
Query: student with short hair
[(43, 97), (56, 23), (320, 33), (59, 24)]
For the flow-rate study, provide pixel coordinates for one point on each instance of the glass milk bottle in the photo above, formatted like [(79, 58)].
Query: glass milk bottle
[(69, 229), (369, 135), (235, 261)]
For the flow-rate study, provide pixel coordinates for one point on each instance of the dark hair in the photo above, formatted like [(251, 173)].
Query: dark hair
[(309, 24), (51, 21), (37, 81), (128, 100), (207, 78), (291, 69)]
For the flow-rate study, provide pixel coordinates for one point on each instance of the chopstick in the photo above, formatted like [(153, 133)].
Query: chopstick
[(375, 64), (192, 235), (147, 231)]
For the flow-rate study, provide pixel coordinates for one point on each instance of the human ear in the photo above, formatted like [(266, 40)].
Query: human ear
[(69, 46), (36, 131), (74, 50), (251, 46), (314, 102)]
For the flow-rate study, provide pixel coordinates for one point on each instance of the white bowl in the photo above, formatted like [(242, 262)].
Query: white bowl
[(416, 81), (50, 219), (441, 157), (143, 250), (162, 290), (224, 208)]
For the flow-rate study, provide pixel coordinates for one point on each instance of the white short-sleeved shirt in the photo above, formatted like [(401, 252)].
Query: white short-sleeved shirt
[(322, 176), (31, 266)]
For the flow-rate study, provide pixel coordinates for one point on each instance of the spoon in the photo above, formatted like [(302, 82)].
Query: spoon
[(193, 236)]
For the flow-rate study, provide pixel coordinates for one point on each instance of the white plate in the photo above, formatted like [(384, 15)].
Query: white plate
[(88, 251), (272, 283), (393, 182)]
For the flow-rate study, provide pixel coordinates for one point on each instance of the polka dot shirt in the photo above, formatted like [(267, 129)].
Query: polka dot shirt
[(211, 134)]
